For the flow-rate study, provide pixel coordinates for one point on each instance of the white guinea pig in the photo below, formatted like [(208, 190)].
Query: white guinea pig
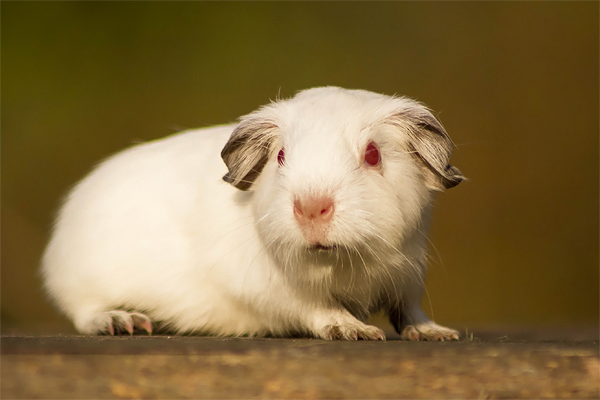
[(316, 219)]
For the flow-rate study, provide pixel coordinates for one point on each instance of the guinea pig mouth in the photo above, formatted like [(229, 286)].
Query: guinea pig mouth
[(320, 247)]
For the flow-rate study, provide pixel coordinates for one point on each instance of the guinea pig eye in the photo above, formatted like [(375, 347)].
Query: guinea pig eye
[(281, 157), (372, 156)]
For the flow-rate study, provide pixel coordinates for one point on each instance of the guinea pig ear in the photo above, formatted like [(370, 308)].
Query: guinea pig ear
[(247, 151), (430, 142)]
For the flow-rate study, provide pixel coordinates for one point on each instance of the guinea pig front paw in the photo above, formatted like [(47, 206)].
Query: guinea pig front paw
[(429, 331), (120, 322), (352, 332)]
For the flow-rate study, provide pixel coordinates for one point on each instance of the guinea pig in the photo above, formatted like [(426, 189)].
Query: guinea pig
[(303, 219)]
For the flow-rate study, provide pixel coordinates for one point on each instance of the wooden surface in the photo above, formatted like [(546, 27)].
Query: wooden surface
[(484, 366)]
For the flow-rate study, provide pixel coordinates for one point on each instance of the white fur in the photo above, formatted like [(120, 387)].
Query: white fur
[(155, 230)]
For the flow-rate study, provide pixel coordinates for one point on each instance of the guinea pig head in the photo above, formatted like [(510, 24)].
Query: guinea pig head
[(339, 170)]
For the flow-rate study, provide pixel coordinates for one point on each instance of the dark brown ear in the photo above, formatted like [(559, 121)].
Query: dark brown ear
[(247, 151), (430, 142)]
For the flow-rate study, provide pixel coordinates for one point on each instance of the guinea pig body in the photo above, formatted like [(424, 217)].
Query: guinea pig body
[(316, 219)]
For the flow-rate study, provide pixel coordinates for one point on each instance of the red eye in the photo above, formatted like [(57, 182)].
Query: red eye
[(372, 156), (281, 157)]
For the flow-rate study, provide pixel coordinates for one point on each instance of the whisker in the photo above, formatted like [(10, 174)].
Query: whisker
[(439, 256)]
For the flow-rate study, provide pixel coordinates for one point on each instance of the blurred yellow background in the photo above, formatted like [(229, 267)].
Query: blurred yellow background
[(515, 84)]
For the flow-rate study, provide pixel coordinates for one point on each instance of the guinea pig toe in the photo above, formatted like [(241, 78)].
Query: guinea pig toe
[(105, 323), (141, 322), (410, 333), (333, 332), (121, 323), (105, 327), (429, 331), (371, 333)]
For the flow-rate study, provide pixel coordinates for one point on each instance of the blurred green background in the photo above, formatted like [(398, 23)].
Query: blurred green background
[(515, 83)]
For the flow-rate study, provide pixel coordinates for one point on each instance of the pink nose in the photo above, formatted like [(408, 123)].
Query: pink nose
[(313, 210)]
